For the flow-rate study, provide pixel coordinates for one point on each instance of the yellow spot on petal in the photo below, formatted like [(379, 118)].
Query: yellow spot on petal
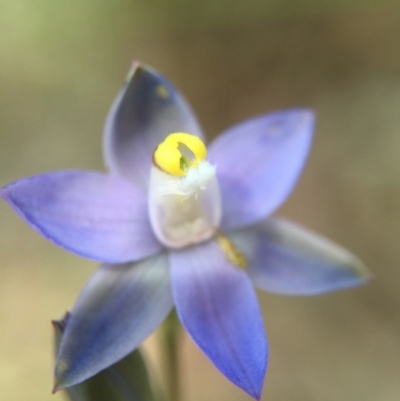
[(178, 152), (162, 91), (61, 366), (231, 251)]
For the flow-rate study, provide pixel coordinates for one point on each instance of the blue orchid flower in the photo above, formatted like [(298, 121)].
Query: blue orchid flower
[(177, 224)]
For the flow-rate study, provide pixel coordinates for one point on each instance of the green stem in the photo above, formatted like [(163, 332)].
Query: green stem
[(170, 348)]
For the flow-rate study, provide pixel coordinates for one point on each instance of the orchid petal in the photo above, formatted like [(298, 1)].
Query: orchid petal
[(120, 306), (147, 109), (127, 380), (91, 214), (258, 164), (286, 258), (217, 305)]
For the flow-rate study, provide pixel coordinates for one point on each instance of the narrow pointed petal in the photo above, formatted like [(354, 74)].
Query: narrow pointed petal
[(91, 214), (147, 109), (118, 309), (127, 380), (286, 258), (259, 162), (217, 305)]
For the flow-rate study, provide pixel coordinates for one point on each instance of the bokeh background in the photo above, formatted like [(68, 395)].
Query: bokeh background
[(62, 63)]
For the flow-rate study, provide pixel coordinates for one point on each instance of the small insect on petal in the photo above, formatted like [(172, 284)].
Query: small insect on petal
[(233, 254)]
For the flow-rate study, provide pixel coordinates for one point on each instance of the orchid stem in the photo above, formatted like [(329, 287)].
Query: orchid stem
[(170, 346)]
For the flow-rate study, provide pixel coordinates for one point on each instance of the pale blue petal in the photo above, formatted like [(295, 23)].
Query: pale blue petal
[(126, 380), (91, 214), (217, 305), (258, 163), (118, 309), (147, 109), (286, 258)]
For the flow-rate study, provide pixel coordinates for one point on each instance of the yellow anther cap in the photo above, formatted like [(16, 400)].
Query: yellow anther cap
[(178, 152)]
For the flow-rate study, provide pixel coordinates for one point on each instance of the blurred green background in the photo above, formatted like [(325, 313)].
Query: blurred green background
[(62, 63)]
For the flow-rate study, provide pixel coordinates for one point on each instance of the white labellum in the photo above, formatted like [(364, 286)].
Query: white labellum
[(184, 210)]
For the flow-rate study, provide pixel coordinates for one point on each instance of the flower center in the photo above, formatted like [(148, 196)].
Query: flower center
[(184, 197)]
